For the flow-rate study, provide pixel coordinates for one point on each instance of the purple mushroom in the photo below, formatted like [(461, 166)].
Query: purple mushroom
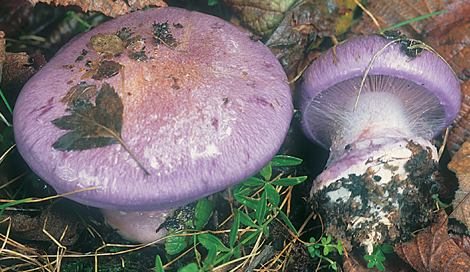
[(379, 177), (157, 108)]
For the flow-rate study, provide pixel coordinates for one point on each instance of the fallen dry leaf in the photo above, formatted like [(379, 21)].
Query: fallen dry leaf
[(449, 34), (461, 126), (460, 164), (62, 224), (93, 126), (391, 12), (81, 91), (111, 8), (261, 16), (434, 250), (18, 68), (303, 26)]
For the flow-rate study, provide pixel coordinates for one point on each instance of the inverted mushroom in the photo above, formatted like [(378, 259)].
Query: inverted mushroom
[(203, 107), (379, 176)]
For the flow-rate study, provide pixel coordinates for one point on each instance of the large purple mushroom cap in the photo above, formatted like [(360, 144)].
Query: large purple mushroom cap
[(205, 108), (425, 85)]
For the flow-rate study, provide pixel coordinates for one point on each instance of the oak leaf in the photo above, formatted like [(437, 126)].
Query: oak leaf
[(434, 250), (460, 165)]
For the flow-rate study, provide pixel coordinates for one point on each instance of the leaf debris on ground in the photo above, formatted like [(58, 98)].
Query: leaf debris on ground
[(111, 8)]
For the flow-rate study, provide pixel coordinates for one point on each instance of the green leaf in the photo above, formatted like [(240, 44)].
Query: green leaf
[(212, 2), (210, 259), (339, 247), (247, 239), (380, 266), (237, 252), (387, 248), (159, 264), (289, 181), (261, 209), (283, 160), (333, 266), (272, 194), (266, 172), (247, 201), (203, 211), (208, 240), (289, 223), (246, 220), (175, 244), (192, 267), (234, 228), (254, 182), (243, 190), (226, 256), (326, 250)]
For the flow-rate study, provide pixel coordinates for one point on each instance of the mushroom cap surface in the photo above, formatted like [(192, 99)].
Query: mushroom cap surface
[(200, 116), (350, 60)]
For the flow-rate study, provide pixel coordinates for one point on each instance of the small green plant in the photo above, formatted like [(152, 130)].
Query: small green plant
[(262, 210), (377, 258), (82, 27), (325, 242)]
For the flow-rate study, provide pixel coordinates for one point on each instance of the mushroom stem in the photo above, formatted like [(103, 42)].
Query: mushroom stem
[(138, 227), (377, 166), (376, 186)]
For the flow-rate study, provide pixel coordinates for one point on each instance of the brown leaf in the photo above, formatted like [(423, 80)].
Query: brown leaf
[(461, 125), (433, 250), (460, 164), (93, 125), (107, 43), (111, 8), (392, 12), (260, 16), (107, 69), (81, 91), (17, 69), (304, 24), (102, 69), (449, 35), (60, 222)]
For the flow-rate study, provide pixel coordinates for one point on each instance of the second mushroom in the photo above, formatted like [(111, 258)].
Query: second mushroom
[(379, 177)]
